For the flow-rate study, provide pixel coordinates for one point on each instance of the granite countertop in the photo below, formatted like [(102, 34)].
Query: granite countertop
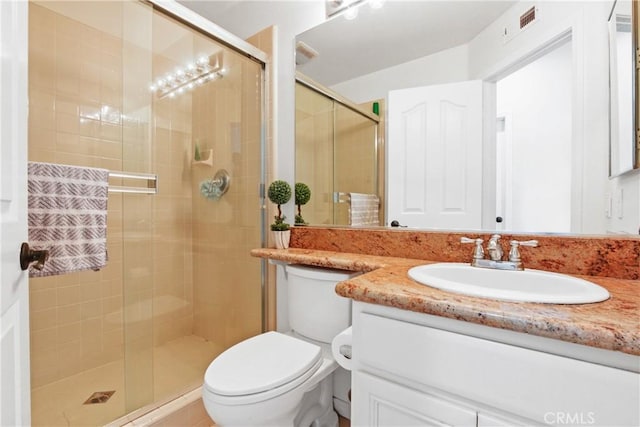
[(612, 325)]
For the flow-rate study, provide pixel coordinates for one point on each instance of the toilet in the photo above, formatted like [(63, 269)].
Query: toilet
[(287, 379)]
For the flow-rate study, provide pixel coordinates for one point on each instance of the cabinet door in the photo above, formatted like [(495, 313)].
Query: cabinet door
[(378, 402)]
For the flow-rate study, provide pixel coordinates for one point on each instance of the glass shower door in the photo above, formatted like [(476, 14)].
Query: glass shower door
[(314, 152), (179, 286), (336, 154), (139, 259), (192, 112), (355, 158)]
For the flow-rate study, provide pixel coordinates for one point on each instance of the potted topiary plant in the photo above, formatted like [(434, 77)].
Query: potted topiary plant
[(280, 193), (303, 194)]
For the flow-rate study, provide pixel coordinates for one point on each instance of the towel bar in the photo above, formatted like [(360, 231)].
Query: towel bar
[(151, 188)]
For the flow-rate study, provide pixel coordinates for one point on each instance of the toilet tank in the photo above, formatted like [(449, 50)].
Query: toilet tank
[(315, 310)]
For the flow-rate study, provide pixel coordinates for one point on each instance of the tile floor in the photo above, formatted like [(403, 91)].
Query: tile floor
[(178, 365)]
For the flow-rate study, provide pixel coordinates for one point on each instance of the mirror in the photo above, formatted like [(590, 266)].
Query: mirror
[(408, 44), (622, 115)]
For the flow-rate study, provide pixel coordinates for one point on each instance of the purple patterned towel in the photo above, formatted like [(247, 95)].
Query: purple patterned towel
[(68, 216)]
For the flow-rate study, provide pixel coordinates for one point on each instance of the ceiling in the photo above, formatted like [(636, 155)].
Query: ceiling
[(402, 29), (398, 32)]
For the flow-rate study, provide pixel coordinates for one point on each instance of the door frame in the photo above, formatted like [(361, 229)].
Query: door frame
[(570, 34), (15, 385)]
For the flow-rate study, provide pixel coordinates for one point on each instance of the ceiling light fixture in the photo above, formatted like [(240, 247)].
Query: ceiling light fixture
[(351, 13), (205, 68), (349, 7), (336, 7)]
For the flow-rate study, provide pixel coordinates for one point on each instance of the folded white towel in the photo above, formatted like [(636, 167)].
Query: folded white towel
[(364, 209), (67, 215)]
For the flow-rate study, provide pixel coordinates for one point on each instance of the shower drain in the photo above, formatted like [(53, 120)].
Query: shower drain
[(99, 397)]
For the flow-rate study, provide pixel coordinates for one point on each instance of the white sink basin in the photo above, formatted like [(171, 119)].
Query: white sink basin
[(524, 286)]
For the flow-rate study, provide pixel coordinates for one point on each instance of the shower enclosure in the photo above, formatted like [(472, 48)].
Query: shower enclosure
[(124, 86), (336, 151)]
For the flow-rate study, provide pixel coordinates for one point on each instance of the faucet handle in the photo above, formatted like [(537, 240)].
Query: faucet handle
[(478, 252), (514, 253)]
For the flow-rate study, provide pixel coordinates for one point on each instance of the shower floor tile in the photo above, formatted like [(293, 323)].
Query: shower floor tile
[(177, 364)]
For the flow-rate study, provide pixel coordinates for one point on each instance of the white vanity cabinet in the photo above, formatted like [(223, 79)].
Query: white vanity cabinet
[(387, 403), (413, 369)]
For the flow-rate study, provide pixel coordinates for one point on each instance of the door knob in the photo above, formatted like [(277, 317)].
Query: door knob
[(28, 255)]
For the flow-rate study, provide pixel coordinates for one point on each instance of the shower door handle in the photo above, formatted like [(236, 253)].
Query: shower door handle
[(28, 255)]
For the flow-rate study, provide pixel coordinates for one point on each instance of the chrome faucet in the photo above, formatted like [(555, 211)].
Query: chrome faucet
[(494, 248)]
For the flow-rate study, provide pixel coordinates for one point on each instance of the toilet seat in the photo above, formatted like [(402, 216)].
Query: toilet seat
[(261, 368)]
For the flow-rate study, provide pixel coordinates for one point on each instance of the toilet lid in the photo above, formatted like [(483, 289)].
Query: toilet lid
[(261, 363)]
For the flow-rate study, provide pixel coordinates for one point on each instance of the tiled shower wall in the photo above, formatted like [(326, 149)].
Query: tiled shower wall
[(78, 116), (227, 289), (75, 317)]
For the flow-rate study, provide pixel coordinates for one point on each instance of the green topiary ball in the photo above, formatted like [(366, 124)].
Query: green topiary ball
[(303, 193), (279, 192)]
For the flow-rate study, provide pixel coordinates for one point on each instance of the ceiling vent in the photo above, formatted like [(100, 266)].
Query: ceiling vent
[(515, 26), (528, 17)]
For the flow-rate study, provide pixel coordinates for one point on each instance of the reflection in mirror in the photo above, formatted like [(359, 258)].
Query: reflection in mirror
[(621, 78), (544, 169), (534, 107), (336, 155)]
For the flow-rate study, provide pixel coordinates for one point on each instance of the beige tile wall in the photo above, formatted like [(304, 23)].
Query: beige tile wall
[(227, 289), (74, 118), (172, 244)]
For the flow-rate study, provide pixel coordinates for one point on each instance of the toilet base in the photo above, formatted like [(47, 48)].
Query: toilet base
[(316, 408), (329, 419)]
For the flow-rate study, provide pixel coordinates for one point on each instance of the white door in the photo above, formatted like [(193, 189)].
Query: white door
[(435, 156), (14, 293)]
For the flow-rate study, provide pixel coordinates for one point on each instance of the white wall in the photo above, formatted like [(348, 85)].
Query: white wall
[(536, 100), (447, 66), (588, 23), (624, 192)]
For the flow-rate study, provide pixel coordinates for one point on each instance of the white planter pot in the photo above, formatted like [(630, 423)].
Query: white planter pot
[(282, 238)]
